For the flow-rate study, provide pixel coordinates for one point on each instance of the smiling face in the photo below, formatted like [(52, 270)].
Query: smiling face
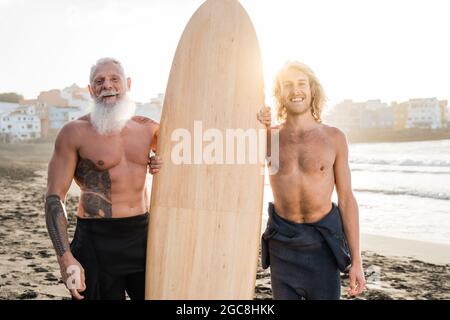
[(298, 90), (295, 92), (108, 85)]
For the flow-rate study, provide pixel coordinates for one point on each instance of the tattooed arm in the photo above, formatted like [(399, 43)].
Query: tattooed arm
[(60, 174), (56, 220)]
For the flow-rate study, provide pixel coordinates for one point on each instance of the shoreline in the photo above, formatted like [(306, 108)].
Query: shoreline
[(386, 135), (435, 253)]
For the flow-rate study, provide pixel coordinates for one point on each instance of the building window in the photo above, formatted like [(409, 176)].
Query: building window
[(10, 126), (29, 126)]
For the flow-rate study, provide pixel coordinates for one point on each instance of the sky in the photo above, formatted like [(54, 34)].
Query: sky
[(391, 50)]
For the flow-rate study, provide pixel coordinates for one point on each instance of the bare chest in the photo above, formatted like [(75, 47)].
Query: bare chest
[(311, 155), (107, 152)]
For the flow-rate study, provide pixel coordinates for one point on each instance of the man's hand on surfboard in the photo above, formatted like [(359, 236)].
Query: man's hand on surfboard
[(155, 163), (264, 116), (72, 275), (357, 280)]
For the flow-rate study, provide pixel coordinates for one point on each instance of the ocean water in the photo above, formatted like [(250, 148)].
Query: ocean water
[(402, 189)]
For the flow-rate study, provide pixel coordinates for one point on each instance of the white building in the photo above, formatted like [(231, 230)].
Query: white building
[(77, 97), (376, 114), (6, 107), (58, 116), (20, 124), (350, 115), (424, 113)]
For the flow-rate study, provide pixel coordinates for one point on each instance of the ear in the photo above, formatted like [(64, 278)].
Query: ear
[(128, 83)]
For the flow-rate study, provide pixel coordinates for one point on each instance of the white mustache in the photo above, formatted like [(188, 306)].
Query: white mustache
[(105, 93), (112, 117)]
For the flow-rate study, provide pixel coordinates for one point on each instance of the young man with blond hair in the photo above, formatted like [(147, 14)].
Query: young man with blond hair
[(309, 239)]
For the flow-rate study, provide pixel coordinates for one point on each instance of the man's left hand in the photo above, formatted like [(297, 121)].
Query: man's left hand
[(357, 280), (155, 164)]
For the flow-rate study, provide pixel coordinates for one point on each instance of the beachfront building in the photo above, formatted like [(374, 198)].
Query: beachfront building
[(58, 116), (345, 115), (72, 96), (55, 107), (6, 107), (424, 113), (20, 124), (429, 113), (77, 97), (41, 112), (376, 115), (372, 114), (152, 109), (400, 115), (52, 98)]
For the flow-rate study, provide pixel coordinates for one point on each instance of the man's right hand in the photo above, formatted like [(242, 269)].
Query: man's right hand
[(72, 275), (264, 116)]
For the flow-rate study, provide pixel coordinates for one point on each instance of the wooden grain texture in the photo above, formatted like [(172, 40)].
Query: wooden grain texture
[(205, 223)]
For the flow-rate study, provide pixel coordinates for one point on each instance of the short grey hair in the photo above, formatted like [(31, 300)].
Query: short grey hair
[(105, 61)]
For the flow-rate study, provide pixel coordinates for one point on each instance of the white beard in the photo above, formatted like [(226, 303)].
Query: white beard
[(111, 118)]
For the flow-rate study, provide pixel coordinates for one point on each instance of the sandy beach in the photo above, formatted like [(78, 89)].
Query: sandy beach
[(395, 268)]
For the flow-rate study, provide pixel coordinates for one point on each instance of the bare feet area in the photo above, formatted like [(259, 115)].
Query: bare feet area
[(28, 267)]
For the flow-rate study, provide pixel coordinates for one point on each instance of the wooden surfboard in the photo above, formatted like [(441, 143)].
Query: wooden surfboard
[(205, 218)]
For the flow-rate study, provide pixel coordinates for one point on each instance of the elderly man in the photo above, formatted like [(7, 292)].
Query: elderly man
[(305, 242), (106, 153)]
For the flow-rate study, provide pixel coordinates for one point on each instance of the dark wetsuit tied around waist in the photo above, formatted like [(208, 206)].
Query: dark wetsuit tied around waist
[(305, 258), (113, 253)]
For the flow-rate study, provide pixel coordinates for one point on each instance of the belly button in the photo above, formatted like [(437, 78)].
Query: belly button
[(321, 168), (100, 162)]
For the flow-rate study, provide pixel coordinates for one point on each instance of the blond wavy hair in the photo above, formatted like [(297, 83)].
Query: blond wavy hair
[(317, 93)]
